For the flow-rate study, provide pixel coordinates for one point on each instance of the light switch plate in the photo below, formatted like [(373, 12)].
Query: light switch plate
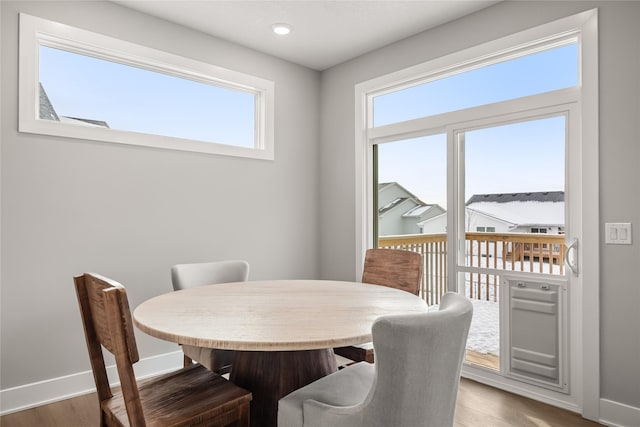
[(617, 233)]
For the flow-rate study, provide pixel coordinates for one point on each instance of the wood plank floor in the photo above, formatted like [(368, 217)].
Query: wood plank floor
[(478, 405)]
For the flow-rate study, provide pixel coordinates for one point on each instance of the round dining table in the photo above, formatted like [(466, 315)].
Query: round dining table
[(283, 331)]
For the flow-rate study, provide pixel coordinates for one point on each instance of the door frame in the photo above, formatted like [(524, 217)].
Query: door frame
[(556, 104), (586, 25)]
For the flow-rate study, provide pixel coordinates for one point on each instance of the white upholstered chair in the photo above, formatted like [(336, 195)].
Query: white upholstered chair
[(184, 276), (413, 382)]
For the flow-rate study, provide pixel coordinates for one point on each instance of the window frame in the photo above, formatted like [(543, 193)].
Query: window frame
[(35, 32), (502, 56)]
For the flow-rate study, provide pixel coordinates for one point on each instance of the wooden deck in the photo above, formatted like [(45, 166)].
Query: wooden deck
[(491, 361)]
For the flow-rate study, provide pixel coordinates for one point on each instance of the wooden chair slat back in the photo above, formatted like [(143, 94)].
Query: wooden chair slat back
[(91, 337), (107, 322), (96, 289), (394, 268), (124, 350)]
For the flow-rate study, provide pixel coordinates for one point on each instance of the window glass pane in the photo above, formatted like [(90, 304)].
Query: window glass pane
[(83, 90), (515, 187), (412, 177), (544, 71), (412, 203)]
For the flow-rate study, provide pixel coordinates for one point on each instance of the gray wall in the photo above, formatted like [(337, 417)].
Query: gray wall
[(70, 206), (619, 156)]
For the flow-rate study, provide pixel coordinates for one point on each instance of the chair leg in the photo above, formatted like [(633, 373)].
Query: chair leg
[(244, 416), (187, 361)]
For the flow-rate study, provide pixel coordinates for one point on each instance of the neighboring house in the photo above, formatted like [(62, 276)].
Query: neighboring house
[(434, 225), (475, 220), (535, 212), (399, 210), (48, 112)]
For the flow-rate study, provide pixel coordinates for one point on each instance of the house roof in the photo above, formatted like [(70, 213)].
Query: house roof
[(418, 211), (384, 185), (523, 209), (48, 112), (539, 196), (392, 204), (85, 122)]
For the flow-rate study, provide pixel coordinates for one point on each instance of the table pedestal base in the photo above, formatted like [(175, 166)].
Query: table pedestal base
[(270, 375)]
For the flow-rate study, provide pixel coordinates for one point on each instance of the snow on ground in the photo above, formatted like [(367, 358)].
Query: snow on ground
[(484, 334)]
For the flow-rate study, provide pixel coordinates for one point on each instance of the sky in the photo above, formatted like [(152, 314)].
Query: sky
[(521, 157), (133, 99)]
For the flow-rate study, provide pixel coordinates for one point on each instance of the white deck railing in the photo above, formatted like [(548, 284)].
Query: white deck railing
[(536, 253)]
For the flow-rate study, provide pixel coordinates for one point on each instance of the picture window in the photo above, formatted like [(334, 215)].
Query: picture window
[(80, 84)]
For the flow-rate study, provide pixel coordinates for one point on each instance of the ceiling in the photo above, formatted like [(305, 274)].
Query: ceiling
[(325, 32)]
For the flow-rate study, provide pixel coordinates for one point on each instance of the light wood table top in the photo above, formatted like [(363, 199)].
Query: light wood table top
[(273, 315)]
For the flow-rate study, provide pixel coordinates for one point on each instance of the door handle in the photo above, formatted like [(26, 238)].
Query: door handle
[(567, 259)]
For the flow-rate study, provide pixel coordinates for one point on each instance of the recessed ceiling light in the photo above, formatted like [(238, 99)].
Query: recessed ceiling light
[(281, 29)]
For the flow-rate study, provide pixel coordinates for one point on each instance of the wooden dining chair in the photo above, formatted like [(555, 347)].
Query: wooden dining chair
[(185, 276), (192, 396), (387, 267)]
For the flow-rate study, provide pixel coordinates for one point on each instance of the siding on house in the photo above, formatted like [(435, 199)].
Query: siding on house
[(400, 211)]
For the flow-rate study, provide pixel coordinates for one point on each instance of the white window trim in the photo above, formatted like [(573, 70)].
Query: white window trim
[(585, 26), (35, 32)]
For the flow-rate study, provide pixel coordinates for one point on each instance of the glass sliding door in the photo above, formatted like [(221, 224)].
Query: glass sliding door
[(511, 212)]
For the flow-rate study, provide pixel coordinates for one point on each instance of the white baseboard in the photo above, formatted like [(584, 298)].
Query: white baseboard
[(56, 389), (617, 414)]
